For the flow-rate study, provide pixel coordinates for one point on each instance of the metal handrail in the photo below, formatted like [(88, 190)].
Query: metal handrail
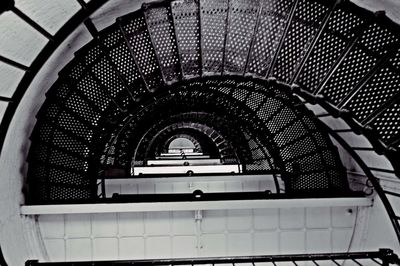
[(386, 257)]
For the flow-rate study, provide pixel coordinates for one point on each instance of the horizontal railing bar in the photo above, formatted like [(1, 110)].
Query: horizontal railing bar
[(345, 130), (363, 148), (381, 170), (392, 193), (32, 23), (265, 176), (13, 63), (193, 205), (377, 262), (5, 99), (390, 257)]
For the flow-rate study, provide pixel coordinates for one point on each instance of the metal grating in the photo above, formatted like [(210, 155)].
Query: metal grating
[(340, 30), (93, 92), (141, 47), (382, 86), (242, 19), (186, 14), (345, 54), (305, 24), (387, 123), (373, 44), (213, 17), (114, 43), (271, 25), (106, 75), (162, 33)]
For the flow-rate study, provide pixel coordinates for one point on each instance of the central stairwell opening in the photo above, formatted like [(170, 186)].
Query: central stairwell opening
[(237, 118)]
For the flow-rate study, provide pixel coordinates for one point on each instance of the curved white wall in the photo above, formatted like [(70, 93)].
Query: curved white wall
[(17, 233)]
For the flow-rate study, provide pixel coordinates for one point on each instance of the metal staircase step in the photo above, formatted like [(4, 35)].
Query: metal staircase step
[(241, 23), (270, 29), (340, 30), (135, 31), (213, 25), (304, 25), (373, 43), (186, 16), (115, 45), (160, 25)]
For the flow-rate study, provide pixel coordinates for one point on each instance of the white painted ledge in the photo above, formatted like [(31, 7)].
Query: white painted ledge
[(178, 156), (196, 169), (193, 206), (182, 161)]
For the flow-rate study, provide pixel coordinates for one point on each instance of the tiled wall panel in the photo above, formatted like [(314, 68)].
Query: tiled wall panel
[(214, 233)]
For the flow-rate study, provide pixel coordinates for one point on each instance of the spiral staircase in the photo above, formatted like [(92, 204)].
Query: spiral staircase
[(251, 82)]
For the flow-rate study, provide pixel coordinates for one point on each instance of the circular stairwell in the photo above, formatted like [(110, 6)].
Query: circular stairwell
[(257, 59)]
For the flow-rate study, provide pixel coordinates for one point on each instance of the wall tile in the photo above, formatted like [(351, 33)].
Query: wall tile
[(265, 219), (181, 187), (77, 225), (216, 186), (318, 241), (213, 245), (341, 239), (131, 248), (184, 246), (55, 249), (266, 243), (233, 186), (157, 223), (164, 188), (158, 247), (251, 185), (183, 223), (213, 221), (239, 244), (130, 224), (79, 249), (112, 188), (129, 189), (52, 226), (341, 217), (239, 220), (104, 224), (292, 218), (318, 217), (203, 186), (146, 188), (105, 248), (292, 242)]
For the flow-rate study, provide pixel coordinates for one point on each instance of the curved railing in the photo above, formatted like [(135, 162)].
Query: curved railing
[(336, 52)]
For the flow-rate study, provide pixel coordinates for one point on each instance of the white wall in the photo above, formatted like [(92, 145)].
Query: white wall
[(179, 234), (15, 231)]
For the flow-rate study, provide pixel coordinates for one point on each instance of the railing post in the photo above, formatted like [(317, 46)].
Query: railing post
[(388, 257), (31, 263)]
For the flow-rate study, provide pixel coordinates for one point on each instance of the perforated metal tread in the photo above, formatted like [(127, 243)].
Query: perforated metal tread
[(270, 28), (241, 24), (135, 31), (306, 21), (347, 54), (115, 46), (213, 17), (186, 16), (374, 43), (160, 25), (342, 27)]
